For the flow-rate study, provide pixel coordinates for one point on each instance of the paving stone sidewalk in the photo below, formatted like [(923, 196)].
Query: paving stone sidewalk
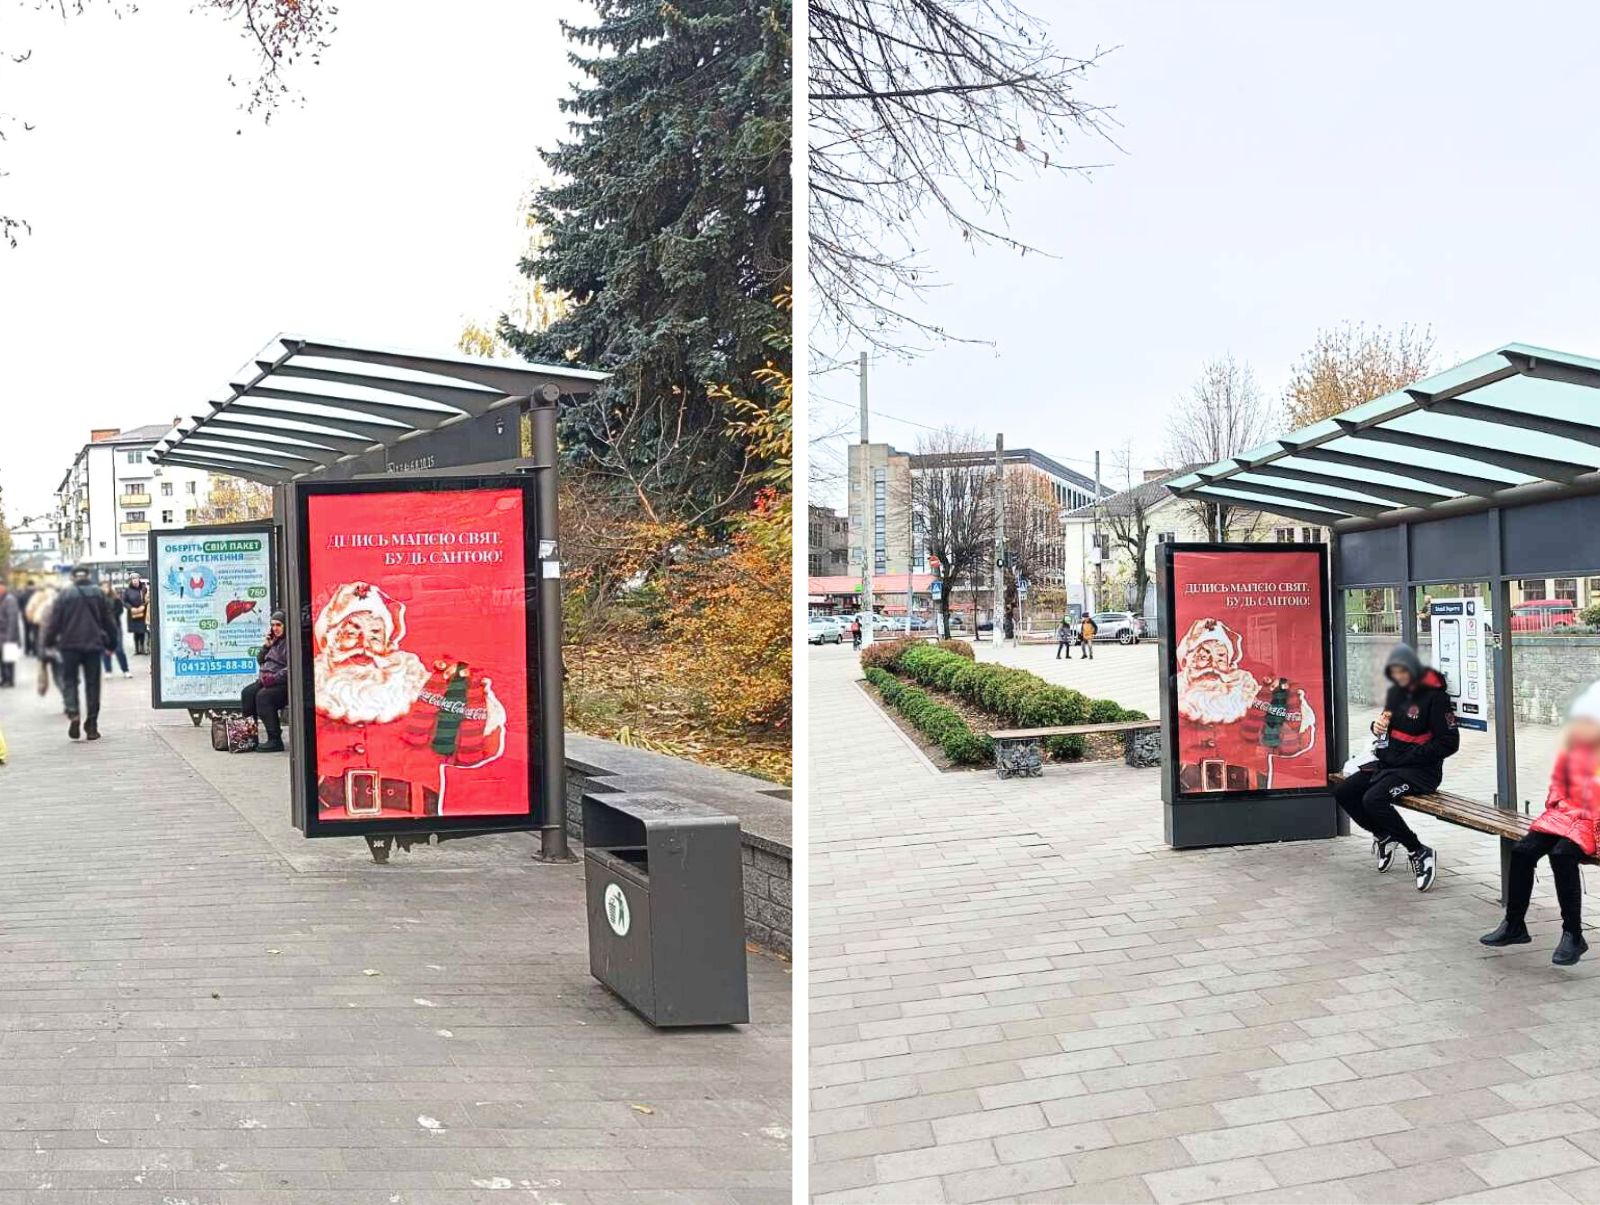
[(1019, 993), (186, 1017)]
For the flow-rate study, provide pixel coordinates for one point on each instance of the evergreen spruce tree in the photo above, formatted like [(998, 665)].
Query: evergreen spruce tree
[(669, 230)]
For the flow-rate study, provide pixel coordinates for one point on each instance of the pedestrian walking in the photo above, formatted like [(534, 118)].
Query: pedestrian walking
[(1415, 733), (855, 632), (1564, 832), (10, 636), (137, 600), (263, 698), (30, 630), (1086, 633), (80, 629), (38, 614), (1064, 639), (114, 601)]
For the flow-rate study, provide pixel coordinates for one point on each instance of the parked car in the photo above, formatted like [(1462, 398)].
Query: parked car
[(1540, 615), (821, 631), (1121, 626)]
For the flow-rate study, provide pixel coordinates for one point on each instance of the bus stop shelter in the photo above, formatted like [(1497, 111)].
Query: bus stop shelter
[(305, 409), (1482, 482)]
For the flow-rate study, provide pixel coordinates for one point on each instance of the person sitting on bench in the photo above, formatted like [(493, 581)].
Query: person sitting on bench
[(1416, 732), (270, 691), (1564, 832)]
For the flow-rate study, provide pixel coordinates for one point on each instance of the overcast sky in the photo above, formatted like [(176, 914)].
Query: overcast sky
[(173, 236), (1286, 166)]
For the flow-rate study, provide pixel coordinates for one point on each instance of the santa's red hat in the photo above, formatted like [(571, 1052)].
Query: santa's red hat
[(1202, 631), (360, 598)]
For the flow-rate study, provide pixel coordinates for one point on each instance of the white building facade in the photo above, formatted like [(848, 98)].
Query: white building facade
[(112, 498)]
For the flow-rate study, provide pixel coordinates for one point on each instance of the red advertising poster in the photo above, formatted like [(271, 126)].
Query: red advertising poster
[(1248, 659), (419, 652)]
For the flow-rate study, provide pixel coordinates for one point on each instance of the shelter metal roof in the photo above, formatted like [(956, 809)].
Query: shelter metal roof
[(1508, 422), (302, 405)]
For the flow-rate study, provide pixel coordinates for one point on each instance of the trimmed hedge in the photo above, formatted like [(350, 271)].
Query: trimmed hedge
[(1013, 696), (945, 727), (960, 648), (884, 654)]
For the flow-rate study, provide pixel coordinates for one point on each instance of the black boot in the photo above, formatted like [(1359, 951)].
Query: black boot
[(73, 729), (1508, 935), (91, 731), (1571, 948), (270, 747)]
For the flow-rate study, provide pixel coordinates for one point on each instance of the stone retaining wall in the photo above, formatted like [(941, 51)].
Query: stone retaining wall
[(763, 808), (1550, 671)]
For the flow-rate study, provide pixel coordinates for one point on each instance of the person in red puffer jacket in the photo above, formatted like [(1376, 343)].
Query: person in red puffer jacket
[(1563, 832)]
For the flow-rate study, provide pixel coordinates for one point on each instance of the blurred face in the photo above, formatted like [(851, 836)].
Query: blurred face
[(1210, 662), (1400, 675), (277, 629), (1584, 734), (358, 640)]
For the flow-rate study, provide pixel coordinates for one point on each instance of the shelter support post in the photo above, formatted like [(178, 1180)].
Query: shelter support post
[(1505, 719), (552, 752), (1408, 591), (1339, 722)]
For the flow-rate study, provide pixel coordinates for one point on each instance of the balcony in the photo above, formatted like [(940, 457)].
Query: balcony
[(134, 500), (133, 529)]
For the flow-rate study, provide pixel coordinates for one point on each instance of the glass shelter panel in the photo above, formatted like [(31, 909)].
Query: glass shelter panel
[(1555, 655), (1454, 626), (1371, 629)]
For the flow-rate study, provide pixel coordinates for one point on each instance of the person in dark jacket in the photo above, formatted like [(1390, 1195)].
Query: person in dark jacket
[(270, 691), (80, 629), (114, 601), (30, 633), (1415, 733), (1063, 639), (10, 635), (137, 599)]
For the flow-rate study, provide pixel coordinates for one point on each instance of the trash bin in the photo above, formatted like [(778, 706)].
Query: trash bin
[(666, 907)]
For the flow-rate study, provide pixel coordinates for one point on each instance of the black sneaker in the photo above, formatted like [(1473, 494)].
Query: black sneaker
[(74, 730), (91, 733), (1424, 864), (270, 747), (1571, 948), (1383, 850), (1507, 935)]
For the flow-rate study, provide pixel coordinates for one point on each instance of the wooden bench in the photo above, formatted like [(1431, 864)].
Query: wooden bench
[(1468, 813), (1018, 752)]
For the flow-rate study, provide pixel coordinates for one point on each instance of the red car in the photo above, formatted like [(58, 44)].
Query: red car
[(1540, 615)]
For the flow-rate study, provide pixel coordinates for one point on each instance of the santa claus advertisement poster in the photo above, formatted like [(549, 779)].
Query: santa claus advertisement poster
[(1247, 655), (418, 649), (211, 596)]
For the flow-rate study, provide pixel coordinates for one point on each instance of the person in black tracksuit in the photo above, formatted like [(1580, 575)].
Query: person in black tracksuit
[(1415, 733)]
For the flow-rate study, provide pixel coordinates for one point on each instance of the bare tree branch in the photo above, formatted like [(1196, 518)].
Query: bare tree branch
[(925, 107)]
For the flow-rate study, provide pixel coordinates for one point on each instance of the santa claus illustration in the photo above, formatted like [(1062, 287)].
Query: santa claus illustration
[(389, 728), (1235, 726)]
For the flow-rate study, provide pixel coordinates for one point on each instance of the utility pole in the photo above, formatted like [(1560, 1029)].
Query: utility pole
[(1099, 550), (868, 531), (997, 611), (911, 543)]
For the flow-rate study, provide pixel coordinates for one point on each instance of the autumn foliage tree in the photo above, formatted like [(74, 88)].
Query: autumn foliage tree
[(1348, 365)]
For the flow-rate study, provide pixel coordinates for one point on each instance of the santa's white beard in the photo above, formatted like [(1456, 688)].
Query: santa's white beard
[(1220, 700), (369, 693)]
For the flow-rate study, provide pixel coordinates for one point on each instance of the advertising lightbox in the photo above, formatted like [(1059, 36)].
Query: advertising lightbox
[(417, 655), (210, 591), (1247, 724)]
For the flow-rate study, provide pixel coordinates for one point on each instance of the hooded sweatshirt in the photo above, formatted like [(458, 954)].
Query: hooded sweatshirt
[(1422, 722)]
